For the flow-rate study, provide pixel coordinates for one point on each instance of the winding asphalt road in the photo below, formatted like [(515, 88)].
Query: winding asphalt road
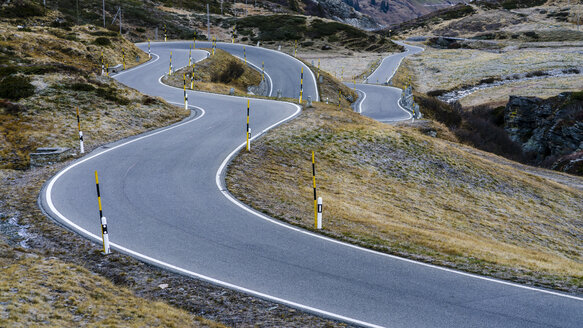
[(163, 194)]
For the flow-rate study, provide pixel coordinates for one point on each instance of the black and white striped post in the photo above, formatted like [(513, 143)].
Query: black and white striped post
[(102, 64), (248, 133), (314, 183), (103, 220), (301, 85), (319, 215), (81, 146)]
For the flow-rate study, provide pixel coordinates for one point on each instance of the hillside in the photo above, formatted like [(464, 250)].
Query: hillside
[(51, 276), (401, 192)]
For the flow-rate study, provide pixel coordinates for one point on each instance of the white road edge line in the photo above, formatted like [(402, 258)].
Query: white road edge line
[(172, 267), (259, 70), (219, 181)]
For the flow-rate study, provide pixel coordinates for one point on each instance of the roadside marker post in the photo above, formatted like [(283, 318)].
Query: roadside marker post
[(262, 71), (165, 34), (149, 51), (314, 183), (339, 97), (245, 55), (319, 216), (107, 70), (189, 56), (248, 133), (194, 42), (192, 78), (185, 94), (170, 68), (295, 48), (103, 220), (214, 44), (318, 73), (301, 84), (123, 59), (81, 146), (102, 64), (233, 35)]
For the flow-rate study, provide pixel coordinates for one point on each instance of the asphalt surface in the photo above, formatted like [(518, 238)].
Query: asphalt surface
[(163, 194)]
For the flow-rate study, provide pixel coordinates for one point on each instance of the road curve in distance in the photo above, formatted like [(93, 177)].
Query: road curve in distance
[(160, 194)]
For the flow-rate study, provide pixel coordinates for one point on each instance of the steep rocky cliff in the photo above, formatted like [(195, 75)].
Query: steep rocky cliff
[(551, 130)]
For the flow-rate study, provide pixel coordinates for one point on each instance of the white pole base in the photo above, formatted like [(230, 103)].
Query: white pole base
[(319, 223), (106, 249)]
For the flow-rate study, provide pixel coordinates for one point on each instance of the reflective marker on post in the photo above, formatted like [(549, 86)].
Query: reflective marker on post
[(82, 148), (104, 234), (319, 217)]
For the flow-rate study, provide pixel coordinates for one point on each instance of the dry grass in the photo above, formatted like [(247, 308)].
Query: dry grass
[(451, 69), (396, 190), (46, 292), (543, 88), (207, 72)]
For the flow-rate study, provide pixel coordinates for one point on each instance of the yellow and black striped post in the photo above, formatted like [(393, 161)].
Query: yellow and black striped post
[(81, 146), (233, 35), (194, 42), (318, 73), (185, 94), (301, 84), (214, 45), (315, 198), (149, 51), (339, 97), (262, 71), (123, 59), (170, 68), (192, 78), (103, 221), (248, 130), (165, 34), (189, 56)]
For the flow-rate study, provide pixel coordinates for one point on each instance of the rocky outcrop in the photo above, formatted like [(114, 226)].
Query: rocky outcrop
[(340, 11), (551, 130)]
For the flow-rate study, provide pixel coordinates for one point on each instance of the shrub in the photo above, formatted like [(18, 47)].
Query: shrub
[(11, 108), (102, 41), (22, 9), (80, 86), (233, 71), (15, 87)]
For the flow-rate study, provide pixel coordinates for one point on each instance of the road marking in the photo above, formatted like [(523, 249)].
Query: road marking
[(220, 182)]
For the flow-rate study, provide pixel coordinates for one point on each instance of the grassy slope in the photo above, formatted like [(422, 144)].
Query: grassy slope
[(48, 292), (396, 190), (36, 289), (208, 72)]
